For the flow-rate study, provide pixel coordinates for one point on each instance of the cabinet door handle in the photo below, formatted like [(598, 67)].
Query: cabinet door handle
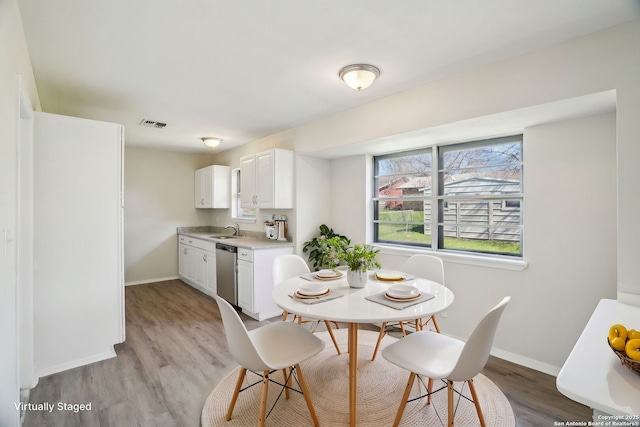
[(202, 201), (204, 257), (185, 251)]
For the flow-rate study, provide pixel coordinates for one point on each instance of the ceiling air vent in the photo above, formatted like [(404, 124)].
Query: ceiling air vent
[(152, 124)]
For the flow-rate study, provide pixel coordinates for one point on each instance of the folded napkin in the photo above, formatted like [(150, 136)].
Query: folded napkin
[(316, 300), (399, 305)]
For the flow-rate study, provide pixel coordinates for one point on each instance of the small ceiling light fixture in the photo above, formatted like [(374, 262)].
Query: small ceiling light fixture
[(359, 76), (211, 142)]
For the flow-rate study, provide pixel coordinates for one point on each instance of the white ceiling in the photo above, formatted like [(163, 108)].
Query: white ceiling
[(244, 69)]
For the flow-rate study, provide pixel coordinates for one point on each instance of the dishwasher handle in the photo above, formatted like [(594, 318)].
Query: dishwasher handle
[(226, 248)]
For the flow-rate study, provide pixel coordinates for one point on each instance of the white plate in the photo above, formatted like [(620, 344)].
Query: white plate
[(313, 289), (328, 274), (402, 291)]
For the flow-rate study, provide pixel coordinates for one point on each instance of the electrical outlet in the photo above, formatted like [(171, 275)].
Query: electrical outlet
[(443, 314)]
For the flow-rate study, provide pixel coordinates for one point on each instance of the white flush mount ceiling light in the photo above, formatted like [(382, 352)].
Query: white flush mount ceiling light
[(211, 142), (359, 76)]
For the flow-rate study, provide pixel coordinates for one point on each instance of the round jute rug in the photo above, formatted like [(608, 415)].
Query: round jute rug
[(380, 388)]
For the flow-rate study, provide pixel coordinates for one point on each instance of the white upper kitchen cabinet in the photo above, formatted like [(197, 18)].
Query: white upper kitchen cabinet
[(213, 187), (266, 179)]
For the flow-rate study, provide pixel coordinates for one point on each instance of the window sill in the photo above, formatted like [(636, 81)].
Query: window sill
[(513, 264)]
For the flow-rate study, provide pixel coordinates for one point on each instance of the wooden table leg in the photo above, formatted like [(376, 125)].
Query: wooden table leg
[(353, 369)]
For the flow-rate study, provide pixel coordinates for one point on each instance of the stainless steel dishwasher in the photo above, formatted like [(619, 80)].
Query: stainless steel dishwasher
[(226, 273)]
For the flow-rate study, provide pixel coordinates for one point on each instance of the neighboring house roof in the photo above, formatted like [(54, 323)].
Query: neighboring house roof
[(416, 182), (386, 182), (483, 186), (423, 183)]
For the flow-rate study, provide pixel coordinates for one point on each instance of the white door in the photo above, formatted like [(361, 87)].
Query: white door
[(264, 179), (245, 285), (200, 267), (211, 272), (247, 181), (207, 191), (197, 193), (203, 190), (183, 261)]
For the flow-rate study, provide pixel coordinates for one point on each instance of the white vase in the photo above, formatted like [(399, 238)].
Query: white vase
[(356, 278)]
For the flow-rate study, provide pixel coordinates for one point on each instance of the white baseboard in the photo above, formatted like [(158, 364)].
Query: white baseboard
[(526, 362), (76, 363), (144, 282)]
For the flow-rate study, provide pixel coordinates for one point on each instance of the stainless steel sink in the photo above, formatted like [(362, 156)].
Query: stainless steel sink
[(223, 236)]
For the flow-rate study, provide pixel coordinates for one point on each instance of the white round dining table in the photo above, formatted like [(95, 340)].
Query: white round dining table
[(353, 308)]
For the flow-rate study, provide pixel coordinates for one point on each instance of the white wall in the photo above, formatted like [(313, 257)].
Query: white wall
[(314, 198), (159, 197), (14, 60), (569, 243), (351, 200)]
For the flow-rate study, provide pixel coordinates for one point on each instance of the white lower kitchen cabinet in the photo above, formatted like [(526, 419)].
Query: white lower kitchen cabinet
[(197, 264), (255, 283), (245, 282)]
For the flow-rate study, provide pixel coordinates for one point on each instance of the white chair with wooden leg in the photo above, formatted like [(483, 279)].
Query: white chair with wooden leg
[(439, 357), (288, 266), (267, 349), (425, 267)]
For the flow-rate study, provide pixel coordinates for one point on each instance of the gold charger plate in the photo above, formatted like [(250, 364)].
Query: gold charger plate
[(390, 277), (319, 277), (389, 297), (324, 294)]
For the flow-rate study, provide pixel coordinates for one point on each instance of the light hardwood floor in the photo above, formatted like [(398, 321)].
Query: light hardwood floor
[(175, 353)]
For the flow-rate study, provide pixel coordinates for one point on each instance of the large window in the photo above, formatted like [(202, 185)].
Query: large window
[(463, 197)]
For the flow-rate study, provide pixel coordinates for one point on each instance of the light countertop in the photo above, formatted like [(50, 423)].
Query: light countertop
[(247, 240)]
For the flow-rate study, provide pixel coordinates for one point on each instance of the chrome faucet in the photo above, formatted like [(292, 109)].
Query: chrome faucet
[(235, 227)]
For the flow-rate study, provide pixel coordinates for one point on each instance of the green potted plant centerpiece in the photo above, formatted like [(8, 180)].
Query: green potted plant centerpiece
[(325, 249), (359, 259)]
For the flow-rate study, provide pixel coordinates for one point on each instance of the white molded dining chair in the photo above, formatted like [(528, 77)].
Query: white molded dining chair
[(437, 356), (275, 346), (425, 267), (290, 265)]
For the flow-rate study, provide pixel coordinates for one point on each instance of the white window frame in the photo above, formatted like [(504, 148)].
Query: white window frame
[(238, 213)]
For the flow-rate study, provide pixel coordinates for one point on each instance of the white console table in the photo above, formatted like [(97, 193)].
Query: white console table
[(593, 374)]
